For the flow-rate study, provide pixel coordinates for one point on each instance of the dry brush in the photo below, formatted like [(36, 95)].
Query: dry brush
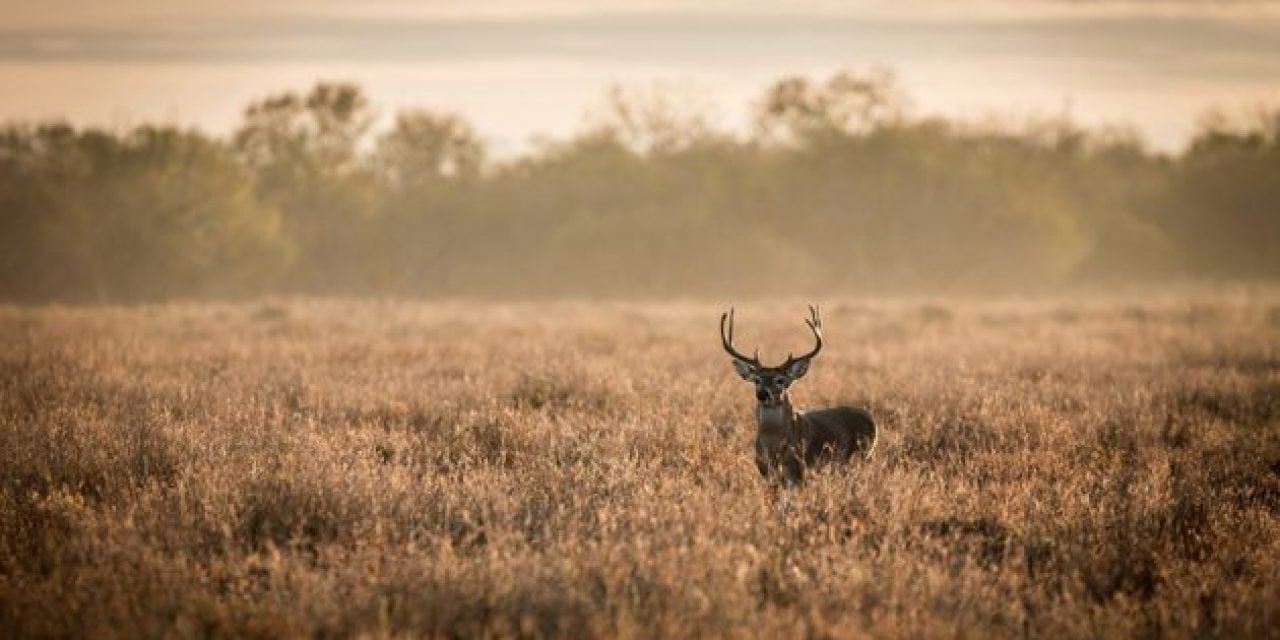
[(1047, 468)]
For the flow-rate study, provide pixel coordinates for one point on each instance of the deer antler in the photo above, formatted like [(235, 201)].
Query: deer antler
[(815, 325), (726, 338)]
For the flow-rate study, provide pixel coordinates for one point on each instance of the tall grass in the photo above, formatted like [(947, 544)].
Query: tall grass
[(1048, 468)]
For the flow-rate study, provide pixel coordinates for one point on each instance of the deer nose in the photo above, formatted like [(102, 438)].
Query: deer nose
[(762, 395)]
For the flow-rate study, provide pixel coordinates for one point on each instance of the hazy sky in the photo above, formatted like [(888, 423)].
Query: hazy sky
[(519, 68)]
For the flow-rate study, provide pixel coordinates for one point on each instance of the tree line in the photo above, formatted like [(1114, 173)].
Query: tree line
[(837, 187)]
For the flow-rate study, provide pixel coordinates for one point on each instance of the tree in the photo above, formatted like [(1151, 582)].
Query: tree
[(427, 167), (424, 149), (655, 121), (798, 110), (156, 213), (304, 152), (1225, 208)]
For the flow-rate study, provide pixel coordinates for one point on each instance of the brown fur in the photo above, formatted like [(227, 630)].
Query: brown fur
[(789, 441)]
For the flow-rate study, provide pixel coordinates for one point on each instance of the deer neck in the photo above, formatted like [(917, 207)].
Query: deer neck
[(777, 423)]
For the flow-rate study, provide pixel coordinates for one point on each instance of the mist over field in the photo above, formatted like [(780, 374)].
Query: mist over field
[(837, 188)]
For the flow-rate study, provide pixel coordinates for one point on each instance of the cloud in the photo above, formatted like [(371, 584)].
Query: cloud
[(1150, 44)]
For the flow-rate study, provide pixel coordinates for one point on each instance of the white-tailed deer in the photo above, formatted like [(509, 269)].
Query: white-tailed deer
[(788, 441)]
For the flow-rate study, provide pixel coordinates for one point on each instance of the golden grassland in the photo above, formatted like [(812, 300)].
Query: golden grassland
[(1056, 467)]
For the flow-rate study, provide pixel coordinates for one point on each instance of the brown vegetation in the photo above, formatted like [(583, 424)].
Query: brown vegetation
[(1053, 468)]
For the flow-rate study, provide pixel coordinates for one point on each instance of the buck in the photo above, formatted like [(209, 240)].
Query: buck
[(789, 441)]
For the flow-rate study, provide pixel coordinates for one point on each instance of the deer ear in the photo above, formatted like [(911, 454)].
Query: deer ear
[(743, 368), (797, 369)]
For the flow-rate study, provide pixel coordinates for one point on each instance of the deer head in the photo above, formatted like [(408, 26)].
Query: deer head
[(771, 382)]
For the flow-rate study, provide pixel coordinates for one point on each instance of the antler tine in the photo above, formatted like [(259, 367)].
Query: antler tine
[(815, 325), (726, 339), (815, 319)]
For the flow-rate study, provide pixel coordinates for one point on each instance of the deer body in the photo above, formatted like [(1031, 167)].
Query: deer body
[(789, 441)]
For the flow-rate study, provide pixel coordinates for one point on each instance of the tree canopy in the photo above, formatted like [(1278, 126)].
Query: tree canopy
[(837, 187)]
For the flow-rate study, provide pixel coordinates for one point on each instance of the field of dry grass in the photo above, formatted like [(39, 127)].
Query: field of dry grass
[(1052, 468)]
